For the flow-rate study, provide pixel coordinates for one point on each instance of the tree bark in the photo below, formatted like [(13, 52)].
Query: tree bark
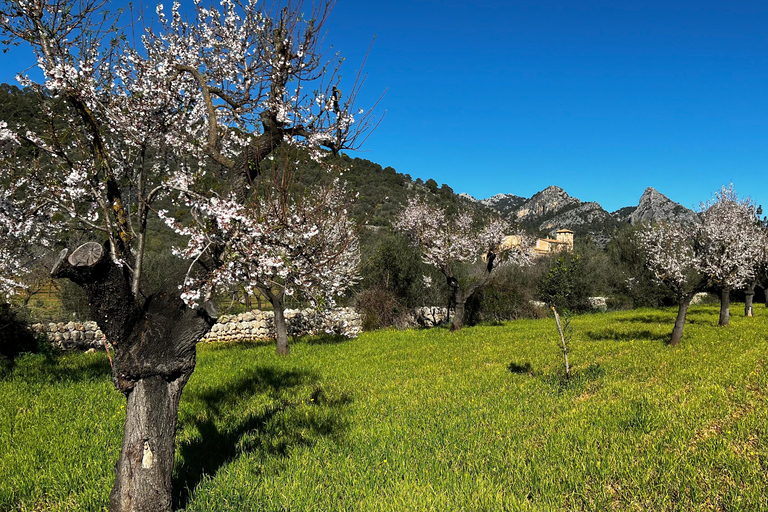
[(682, 311), (144, 471), (749, 299), (154, 344), (458, 313), (281, 327), (725, 307)]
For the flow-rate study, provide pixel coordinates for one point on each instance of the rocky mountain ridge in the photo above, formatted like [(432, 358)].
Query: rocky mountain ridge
[(553, 209)]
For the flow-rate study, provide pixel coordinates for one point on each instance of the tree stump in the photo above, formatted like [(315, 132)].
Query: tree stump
[(86, 255)]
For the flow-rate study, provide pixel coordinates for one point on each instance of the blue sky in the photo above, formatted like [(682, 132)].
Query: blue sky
[(602, 99)]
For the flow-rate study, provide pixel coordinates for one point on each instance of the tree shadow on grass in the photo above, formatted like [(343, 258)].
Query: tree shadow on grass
[(56, 368), (323, 339), (650, 318), (521, 369), (626, 335), (244, 344), (579, 378), (300, 412)]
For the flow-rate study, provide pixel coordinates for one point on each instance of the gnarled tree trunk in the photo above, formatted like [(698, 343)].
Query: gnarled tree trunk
[(458, 311), (154, 343), (460, 297)]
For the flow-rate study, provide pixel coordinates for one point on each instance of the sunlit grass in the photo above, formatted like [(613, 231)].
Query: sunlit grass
[(424, 420)]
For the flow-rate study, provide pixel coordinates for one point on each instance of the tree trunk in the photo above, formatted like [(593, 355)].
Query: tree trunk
[(281, 327), (247, 299), (682, 311), (458, 314), (725, 307), (749, 299), (154, 342), (145, 468), (281, 330)]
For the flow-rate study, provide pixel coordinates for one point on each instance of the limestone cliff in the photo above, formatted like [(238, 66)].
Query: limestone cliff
[(653, 207), (553, 209)]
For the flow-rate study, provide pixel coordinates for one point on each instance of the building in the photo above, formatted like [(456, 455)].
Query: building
[(563, 242)]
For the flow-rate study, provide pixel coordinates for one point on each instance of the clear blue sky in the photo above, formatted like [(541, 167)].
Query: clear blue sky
[(602, 99)]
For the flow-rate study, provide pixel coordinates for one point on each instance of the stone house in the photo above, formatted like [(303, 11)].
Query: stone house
[(563, 242)]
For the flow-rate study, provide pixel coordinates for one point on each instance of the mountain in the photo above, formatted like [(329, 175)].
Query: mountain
[(504, 203), (553, 209), (544, 205), (654, 206)]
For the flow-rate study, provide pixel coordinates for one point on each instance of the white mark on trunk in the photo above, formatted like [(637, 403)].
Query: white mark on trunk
[(149, 458)]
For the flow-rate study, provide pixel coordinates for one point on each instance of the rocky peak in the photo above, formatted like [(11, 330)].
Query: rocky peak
[(504, 203), (655, 206), (549, 200)]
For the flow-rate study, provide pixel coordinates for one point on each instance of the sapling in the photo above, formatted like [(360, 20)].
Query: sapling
[(565, 329)]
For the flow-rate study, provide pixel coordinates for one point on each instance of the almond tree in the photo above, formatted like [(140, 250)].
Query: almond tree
[(760, 271), (186, 116), (280, 244), (674, 254), (466, 254), (732, 245)]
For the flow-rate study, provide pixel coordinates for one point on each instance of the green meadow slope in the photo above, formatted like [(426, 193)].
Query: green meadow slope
[(423, 420)]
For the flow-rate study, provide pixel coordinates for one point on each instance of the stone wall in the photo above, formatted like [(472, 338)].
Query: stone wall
[(427, 316), (254, 325), (72, 335), (260, 325)]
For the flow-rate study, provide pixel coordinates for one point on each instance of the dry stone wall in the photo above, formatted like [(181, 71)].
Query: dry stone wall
[(72, 335), (254, 325), (260, 325)]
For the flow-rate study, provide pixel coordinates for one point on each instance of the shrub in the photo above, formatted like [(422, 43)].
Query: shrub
[(508, 296), (15, 335), (380, 308)]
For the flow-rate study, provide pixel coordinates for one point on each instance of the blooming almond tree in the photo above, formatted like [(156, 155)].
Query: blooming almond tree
[(282, 243), (674, 257), (21, 224), (464, 253), (733, 245), (186, 115), (760, 274)]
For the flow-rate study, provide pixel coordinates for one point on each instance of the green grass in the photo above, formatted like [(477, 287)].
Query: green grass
[(424, 420)]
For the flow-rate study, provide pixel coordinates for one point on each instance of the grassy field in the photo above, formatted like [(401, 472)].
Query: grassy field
[(424, 420)]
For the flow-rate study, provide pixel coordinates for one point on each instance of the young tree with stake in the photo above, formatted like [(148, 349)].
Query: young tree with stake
[(200, 102)]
